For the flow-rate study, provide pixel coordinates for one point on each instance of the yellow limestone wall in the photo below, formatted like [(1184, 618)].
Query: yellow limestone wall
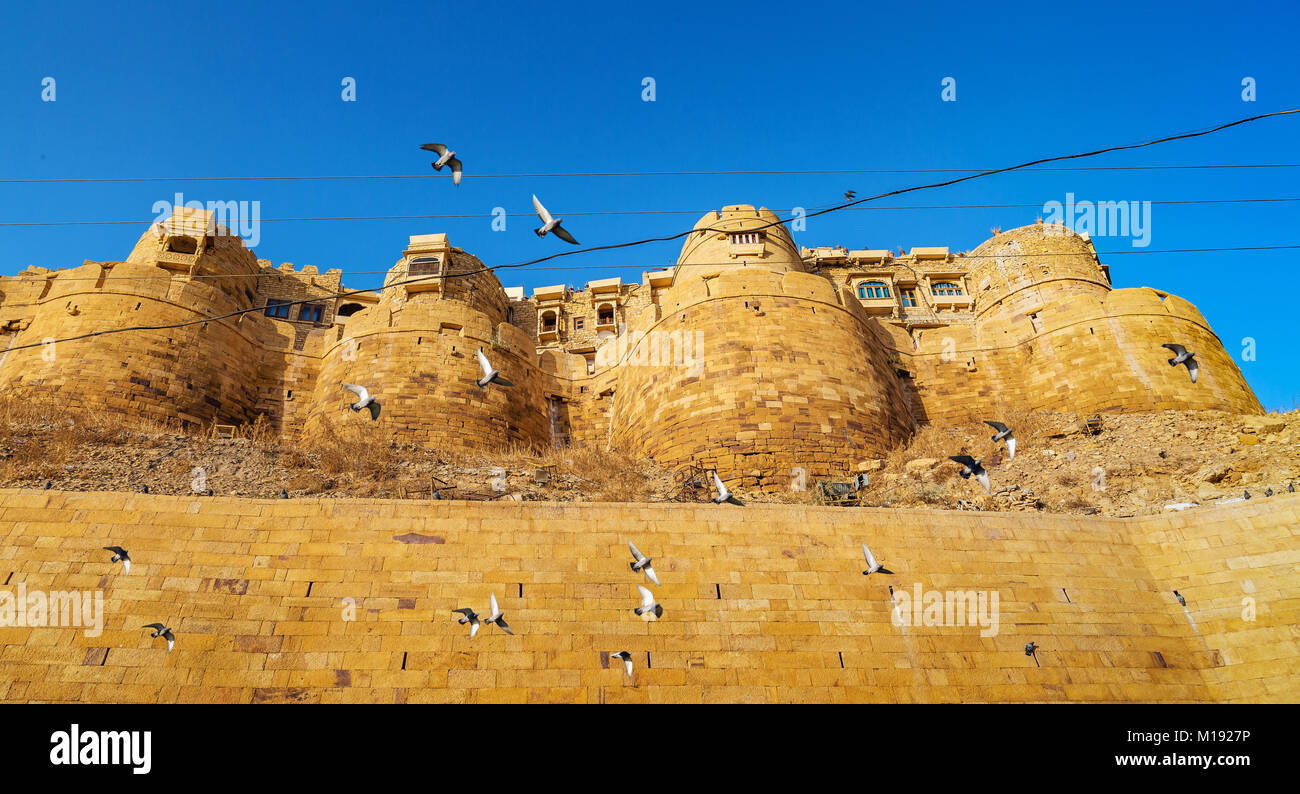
[(255, 590)]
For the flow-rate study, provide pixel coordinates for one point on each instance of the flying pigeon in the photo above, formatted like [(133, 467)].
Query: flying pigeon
[(1181, 356), (470, 617), (445, 157), (642, 563), (723, 494), (872, 565), (489, 375), (159, 630), (120, 554), (849, 194), (1004, 432), (627, 661), (1182, 601), (648, 604), (364, 400), (550, 224), (971, 466), (497, 617)]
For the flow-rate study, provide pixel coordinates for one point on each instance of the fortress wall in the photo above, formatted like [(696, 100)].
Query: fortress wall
[(423, 369), (201, 372), (1236, 568), (764, 392), (762, 604)]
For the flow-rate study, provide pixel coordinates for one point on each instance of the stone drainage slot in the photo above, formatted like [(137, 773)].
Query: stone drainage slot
[(309, 584), (1159, 657), (717, 588), (521, 589), (841, 660), (1067, 596), (403, 660), (7, 578), (647, 660), (105, 657)]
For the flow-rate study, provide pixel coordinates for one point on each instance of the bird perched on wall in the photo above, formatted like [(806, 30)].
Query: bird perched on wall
[(872, 565), (1181, 356), (120, 555), (445, 157), (1004, 434), (144, 489), (159, 630), (49, 484), (648, 605), (1031, 648), (490, 375), (1268, 491), (1181, 601), (1290, 487), (627, 660), (497, 616), (641, 563), (550, 224), (470, 617), (971, 467), (284, 494), (723, 494), (1246, 495), (364, 400)]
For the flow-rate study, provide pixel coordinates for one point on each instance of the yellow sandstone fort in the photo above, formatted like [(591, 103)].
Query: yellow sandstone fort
[(752, 355)]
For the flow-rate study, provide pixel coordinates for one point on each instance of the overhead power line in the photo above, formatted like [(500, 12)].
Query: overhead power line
[(679, 235), (590, 174), (488, 215)]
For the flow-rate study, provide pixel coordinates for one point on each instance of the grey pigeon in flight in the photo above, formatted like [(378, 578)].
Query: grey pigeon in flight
[(627, 661), (445, 157), (159, 630), (872, 565), (120, 555), (641, 563), (470, 617), (490, 375), (497, 616), (550, 224), (1181, 356), (364, 400), (970, 467), (648, 605), (723, 494), (1004, 434)]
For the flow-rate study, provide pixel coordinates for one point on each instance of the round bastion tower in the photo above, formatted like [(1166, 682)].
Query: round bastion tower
[(1066, 341), (182, 270), (415, 351), (754, 367)]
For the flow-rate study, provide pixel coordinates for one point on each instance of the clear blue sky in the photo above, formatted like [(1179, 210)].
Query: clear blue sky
[(245, 89)]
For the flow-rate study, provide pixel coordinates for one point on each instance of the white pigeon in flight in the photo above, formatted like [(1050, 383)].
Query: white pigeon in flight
[(120, 554), (470, 617), (723, 494), (364, 400), (648, 605), (550, 224), (490, 375), (627, 660), (1004, 433), (497, 617), (872, 565), (445, 157), (642, 563), (159, 630), (1181, 356), (969, 467)]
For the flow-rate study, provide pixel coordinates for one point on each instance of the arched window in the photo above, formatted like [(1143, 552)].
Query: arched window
[(873, 289), (945, 288), (605, 314), (348, 309), (424, 266)]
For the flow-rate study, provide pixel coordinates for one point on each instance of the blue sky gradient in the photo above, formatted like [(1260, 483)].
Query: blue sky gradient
[(253, 89)]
